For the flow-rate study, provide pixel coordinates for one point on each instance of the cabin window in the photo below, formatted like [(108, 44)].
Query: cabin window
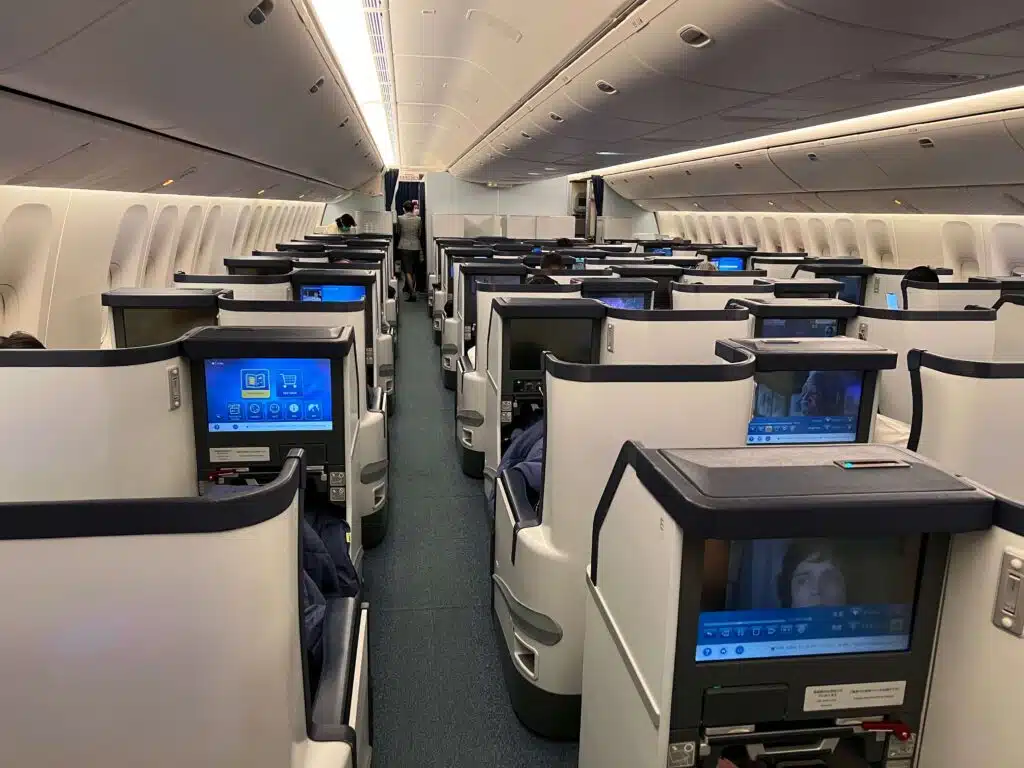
[(185, 253), (161, 243), (820, 245), (241, 230)]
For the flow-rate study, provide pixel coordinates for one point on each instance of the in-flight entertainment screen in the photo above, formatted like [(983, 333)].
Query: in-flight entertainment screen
[(805, 407), (268, 395), (332, 293), (776, 598), (625, 301), (568, 340), (798, 328), (729, 263)]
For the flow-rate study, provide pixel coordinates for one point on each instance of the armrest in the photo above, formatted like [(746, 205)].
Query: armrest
[(375, 399), (340, 640), (467, 363), (449, 309), (518, 493), (521, 506)]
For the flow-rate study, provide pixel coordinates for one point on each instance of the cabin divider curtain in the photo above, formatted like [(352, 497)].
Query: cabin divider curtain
[(390, 184), (597, 184)]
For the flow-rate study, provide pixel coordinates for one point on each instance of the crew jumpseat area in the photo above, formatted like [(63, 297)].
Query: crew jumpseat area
[(195, 599)]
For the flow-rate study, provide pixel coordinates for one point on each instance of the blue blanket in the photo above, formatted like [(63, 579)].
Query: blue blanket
[(525, 454)]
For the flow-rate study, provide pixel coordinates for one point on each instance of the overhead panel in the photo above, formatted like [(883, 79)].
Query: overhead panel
[(30, 29), (201, 72), (760, 46), (957, 152), (50, 146), (932, 18), (831, 164)]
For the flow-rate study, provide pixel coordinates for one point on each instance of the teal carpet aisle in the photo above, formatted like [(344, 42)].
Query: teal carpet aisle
[(439, 698)]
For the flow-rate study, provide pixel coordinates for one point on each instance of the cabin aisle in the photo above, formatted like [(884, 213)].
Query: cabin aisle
[(439, 698)]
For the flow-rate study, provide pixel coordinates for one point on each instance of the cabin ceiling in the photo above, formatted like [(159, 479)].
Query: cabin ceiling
[(771, 66), (196, 72), (461, 64)]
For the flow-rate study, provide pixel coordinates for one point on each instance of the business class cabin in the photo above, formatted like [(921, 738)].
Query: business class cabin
[(449, 384)]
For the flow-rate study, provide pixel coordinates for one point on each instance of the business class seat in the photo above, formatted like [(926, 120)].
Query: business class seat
[(168, 632)]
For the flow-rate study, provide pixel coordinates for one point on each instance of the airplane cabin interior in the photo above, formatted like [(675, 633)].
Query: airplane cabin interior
[(464, 383)]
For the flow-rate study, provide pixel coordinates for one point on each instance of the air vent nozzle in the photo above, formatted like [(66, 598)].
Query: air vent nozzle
[(605, 87), (316, 86), (261, 12), (695, 36), (556, 117), (525, 135)]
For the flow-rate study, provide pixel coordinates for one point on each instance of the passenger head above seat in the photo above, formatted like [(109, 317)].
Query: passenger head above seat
[(20, 340), (551, 262), (921, 275), (707, 266)]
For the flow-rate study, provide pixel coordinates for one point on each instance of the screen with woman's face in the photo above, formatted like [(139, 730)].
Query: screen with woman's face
[(806, 407), (769, 598)]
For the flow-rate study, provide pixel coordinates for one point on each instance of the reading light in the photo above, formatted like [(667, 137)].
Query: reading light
[(346, 26), (607, 154), (261, 192), (898, 202), (167, 183)]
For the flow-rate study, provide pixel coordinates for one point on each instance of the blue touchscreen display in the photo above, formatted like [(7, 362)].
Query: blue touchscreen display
[(625, 301), (777, 598), (268, 395), (805, 407), (332, 293), (729, 263)]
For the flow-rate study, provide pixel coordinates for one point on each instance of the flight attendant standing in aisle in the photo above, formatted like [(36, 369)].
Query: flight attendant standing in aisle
[(410, 230)]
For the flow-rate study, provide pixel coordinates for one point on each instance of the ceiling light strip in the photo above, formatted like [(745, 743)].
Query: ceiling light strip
[(379, 27), (357, 32)]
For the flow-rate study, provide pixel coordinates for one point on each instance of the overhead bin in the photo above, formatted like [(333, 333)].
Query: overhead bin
[(833, 164), (173, 72), (960, 152), (746, 173), (746, 31)]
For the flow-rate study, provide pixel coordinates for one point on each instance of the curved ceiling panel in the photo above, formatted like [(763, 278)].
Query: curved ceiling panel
[(770, 66), (480, 58), (204, 74), (948, 19), (30, 29)]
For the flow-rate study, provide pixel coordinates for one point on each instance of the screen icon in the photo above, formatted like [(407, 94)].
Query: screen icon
[(255, 383), (726, 632), (770, 631), (756, 631), (293, 411), (723, 651), (274, 411), (314, 412), (739, 650), (289, 384), (707, 652), (254, 411), (235, 411)]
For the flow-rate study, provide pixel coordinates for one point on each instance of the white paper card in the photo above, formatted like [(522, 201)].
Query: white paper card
[(822, 698), (244, 454)]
